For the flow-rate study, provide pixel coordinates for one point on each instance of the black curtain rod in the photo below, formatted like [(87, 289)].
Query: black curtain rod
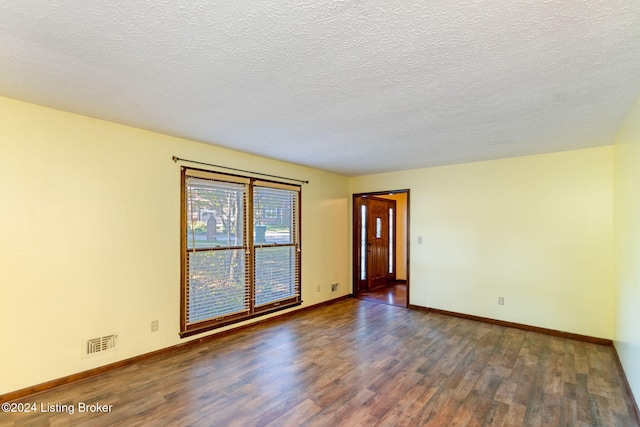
[(176, 159)]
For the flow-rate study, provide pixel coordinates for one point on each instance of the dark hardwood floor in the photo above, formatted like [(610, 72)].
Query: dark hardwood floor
[(356, 363), (395, 294)]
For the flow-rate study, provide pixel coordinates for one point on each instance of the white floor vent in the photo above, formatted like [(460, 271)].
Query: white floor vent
[(100, 344)]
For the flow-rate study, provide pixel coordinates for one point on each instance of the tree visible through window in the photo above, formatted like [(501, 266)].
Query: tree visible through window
[(240, 249)]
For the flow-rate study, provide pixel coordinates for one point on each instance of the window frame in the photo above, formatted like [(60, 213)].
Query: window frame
[(249, 245)]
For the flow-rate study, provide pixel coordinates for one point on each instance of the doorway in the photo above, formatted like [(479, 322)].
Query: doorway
[(380, 247)]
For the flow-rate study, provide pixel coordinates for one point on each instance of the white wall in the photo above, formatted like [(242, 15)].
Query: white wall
[(90, 229), (627, 248), (535, 230)]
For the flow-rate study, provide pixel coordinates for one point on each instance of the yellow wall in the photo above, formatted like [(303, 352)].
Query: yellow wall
[(89, 241), (627, 247), (535, 230)]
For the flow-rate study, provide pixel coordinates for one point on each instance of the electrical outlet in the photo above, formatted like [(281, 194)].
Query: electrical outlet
[(334, 287), (318, 288), (154, 326), (500, 300)]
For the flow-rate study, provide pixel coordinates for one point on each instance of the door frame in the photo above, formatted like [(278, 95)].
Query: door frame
[(355, 242)]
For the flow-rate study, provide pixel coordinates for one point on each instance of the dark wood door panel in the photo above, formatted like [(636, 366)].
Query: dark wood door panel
[(378, 242)]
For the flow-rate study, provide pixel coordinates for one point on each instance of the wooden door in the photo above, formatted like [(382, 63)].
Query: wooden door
[(375, 228), (378, 243)]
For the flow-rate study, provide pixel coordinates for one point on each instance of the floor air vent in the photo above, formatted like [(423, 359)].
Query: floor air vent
[(100, 344)]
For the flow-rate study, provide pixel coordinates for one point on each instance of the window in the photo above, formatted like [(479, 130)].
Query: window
[(363, 242), (391, 243), (240, 249)]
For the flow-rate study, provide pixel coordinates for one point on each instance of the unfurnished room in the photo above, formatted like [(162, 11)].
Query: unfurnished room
[(326, 213)]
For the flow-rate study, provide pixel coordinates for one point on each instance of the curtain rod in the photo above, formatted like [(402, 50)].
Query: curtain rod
[(176, 159)]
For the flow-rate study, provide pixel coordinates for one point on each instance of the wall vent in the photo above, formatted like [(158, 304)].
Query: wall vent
[(100, 345)]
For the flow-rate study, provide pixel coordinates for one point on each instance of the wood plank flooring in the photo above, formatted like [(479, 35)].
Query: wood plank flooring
[(395, 294), (356, 363)]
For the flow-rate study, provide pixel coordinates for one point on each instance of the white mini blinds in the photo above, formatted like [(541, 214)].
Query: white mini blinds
[(240, 249)]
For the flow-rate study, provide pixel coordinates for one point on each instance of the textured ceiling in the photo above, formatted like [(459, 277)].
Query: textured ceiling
[(349, 86)]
